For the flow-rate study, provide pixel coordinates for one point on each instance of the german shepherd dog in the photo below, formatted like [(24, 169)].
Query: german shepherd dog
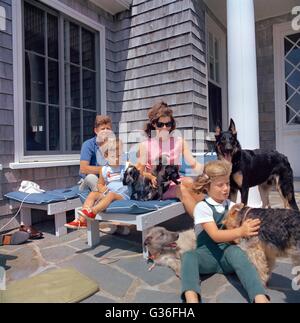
[(140, 186), (279, 235), (166, 247), (255, 167)]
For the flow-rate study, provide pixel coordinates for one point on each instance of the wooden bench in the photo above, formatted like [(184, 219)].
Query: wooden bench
[(141, 221), (58, 209)]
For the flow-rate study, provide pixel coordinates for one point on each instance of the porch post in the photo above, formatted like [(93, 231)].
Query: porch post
[(242, 77)]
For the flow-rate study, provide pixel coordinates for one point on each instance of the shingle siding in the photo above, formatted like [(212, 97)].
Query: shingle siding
[(160, 48)]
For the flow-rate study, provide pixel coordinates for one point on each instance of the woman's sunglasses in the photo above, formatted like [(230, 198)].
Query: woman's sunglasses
[(162, 124)]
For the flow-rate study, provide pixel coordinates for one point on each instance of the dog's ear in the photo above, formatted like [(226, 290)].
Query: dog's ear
[(135, 173), (232, 127), (230, 220), (238, 206), (147, 240)]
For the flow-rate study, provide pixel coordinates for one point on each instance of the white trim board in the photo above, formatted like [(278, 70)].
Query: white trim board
[(44, 164), (18, 70)]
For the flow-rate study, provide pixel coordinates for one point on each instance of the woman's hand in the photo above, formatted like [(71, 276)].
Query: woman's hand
[(250, 228), (152, 178)]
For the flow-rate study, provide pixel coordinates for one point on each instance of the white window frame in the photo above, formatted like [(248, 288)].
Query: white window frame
[(21, 161), (279, 31), (212, 27)]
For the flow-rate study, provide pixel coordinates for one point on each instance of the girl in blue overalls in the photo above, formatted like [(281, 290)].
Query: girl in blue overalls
[(214, 253)]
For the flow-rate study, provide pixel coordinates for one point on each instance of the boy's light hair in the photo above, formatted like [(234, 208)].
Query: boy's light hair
[(112, 144), (212, 170)]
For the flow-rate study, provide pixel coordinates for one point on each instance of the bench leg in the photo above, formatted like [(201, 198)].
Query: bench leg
[(145, 250), (60, 220), (76, 212), (93, 235), (25, 216)]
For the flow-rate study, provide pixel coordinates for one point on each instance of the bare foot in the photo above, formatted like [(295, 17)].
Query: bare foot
[(261, 299)]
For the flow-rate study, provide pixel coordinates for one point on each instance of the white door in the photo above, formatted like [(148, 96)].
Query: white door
[(287, 93)]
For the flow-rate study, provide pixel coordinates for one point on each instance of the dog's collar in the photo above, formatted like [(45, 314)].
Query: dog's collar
[(152, 257), (172, 245), (246, 213)]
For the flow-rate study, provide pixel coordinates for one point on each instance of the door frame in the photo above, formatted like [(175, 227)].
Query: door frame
[(281, 129)]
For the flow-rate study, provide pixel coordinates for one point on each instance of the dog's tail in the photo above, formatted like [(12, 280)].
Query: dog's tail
[(285, 183)]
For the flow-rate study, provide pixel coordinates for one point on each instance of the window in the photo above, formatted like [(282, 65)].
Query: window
[(292, 78), (214, 86), (213, 50), (61, 78)]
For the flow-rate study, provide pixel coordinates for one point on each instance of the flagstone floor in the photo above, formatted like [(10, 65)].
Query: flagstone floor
[(121, 272)]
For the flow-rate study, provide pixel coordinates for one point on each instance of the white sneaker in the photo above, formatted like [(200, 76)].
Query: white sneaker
[(109, 228)]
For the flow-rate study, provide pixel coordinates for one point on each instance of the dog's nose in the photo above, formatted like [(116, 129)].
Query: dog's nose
[(228, 147)]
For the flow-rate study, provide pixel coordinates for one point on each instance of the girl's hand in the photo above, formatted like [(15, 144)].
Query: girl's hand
[(250, 228)]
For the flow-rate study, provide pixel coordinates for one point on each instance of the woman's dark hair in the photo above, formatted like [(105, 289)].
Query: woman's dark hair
[(158, 110)]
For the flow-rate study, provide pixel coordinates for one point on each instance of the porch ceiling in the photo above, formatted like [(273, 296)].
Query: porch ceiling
[(263, 8), (113, 6)]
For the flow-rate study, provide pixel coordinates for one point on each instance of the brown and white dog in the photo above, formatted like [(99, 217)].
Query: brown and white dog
[(279, 235), (166, 247)]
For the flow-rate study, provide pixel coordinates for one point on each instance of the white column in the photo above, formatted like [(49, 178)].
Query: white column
[(242, 77)]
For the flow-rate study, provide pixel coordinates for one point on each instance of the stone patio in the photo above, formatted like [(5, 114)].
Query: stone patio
[(123, 276)]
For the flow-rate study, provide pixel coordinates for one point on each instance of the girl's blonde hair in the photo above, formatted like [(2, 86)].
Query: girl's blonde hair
[(211, 171)]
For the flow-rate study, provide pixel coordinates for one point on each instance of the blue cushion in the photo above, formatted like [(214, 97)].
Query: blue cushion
[(56, 195), (137, 207), (132, 206)]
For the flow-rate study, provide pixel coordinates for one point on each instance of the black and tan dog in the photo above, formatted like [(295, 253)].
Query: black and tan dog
[(255, 167), (279, 235), (140, 186)]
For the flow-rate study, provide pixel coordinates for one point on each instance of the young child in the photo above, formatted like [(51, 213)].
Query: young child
[(110, 186), (214, 253)]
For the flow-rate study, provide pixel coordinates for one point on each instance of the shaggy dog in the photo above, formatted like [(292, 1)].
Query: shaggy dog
[(140, 186), (278, 235), (255, 167), (166, 247)]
